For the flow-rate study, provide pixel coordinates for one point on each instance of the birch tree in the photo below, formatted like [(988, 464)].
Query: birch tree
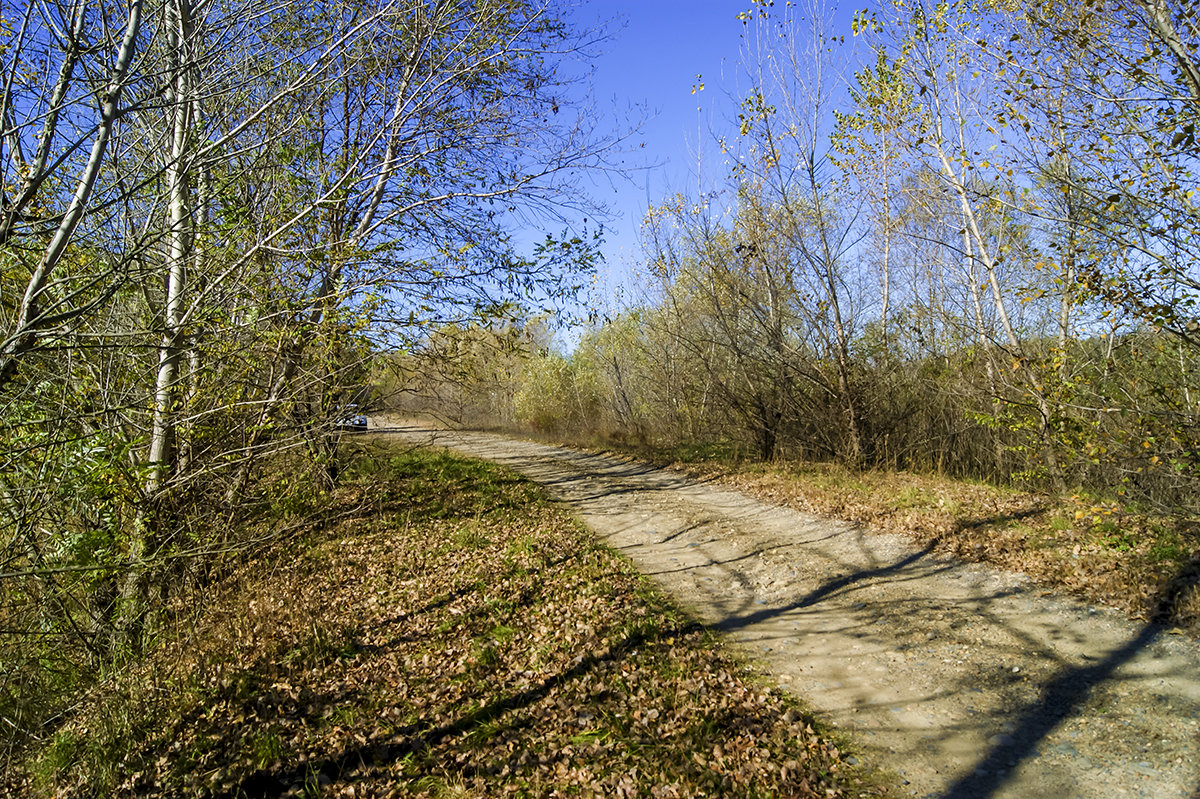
[(206, 207)]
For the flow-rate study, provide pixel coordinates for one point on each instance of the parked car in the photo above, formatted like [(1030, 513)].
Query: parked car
[(351, 421)]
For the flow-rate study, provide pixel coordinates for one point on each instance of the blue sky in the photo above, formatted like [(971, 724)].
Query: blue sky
[(648, 71), (657, 50)]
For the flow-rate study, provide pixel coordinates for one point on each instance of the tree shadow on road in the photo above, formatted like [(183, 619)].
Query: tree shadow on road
[(836, 586), (1060, 699)]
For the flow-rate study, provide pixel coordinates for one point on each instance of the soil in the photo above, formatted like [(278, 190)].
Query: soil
[(966, 680)]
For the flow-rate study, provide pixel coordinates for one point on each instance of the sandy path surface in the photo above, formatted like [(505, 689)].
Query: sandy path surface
[(968, 681)]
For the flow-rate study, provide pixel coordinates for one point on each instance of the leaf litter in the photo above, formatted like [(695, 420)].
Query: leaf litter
[(465, 637)]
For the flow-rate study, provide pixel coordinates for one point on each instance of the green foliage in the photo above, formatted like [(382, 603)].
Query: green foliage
[(196, 293), (471, 536), (61, 753), (554, 395)]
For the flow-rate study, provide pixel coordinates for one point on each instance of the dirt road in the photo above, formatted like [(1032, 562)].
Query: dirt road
[(967, 681)]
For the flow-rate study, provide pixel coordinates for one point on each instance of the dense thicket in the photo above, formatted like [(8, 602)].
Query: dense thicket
[(213, 212), (976, 254)]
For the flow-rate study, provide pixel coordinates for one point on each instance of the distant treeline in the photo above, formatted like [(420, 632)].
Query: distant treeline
[(975, 255)]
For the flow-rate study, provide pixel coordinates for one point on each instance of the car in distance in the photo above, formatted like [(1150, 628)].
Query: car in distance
[(351, 421)]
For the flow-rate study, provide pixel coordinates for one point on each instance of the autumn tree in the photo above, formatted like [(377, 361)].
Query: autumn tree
[(212, 219), (784, 152)]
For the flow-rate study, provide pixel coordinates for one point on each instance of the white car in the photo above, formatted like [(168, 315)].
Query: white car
[(351, 422)]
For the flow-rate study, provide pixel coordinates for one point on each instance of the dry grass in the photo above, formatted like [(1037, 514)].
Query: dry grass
[(1147, 565)]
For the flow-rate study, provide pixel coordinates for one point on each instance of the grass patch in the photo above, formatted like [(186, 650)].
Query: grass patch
[(461, 636)]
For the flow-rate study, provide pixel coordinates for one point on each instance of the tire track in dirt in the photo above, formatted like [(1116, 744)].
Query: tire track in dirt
[(968, 681)]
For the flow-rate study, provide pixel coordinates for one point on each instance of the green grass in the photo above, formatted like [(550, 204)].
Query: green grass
[(913, 498), (470, 535), (503, 634), (266, 748), (59, 754)]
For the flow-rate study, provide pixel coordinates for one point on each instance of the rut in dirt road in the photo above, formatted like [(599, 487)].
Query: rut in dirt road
[(967, 681)]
